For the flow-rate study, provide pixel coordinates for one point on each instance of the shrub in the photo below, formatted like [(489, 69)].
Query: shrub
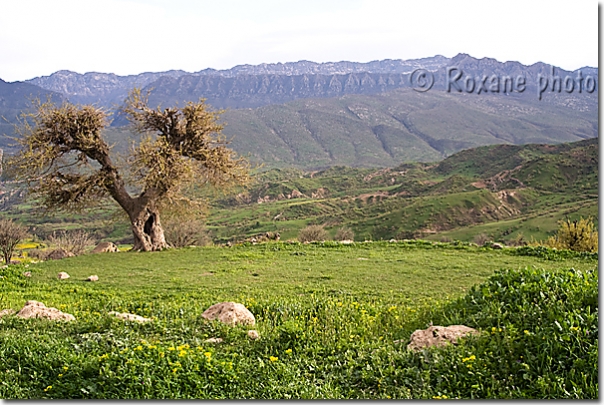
[(37, 254), (313, 233), (539, 337), (75, 242), (11, 233), (181, 234), (518, 240), (344, 233), (481, 239), (574, 235)]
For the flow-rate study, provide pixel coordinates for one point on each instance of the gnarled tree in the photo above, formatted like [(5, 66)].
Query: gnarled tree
[(69, 165)]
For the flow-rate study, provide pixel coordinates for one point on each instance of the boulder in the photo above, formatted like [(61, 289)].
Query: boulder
[(62, 276), (438, 336), (93, 278), (58, 254), (6, 312), (129, 317), (253, 334), (105, 247), (35, 309), (496, 245), (230, 313)]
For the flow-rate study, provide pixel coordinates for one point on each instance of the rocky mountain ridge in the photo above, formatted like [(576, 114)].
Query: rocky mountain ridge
[(107, 89), (250, 86)]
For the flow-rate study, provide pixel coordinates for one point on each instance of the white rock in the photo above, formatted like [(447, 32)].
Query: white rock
[(230, 313)]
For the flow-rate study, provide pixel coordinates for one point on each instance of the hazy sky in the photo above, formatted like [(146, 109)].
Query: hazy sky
[(39, 37)]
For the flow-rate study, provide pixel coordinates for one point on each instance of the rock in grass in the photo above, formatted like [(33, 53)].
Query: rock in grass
[(253, 334), (129, 317), (438, 336), (93, 278), (58, 254), (496, 245), (213, 340), (104, 247), (230, 313), (62, 276), (36, 309), (27, 273), (6, 312)]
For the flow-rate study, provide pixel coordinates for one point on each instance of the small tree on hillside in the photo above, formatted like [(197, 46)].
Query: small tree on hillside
[(11, 233), (68, 164), (574, 235)]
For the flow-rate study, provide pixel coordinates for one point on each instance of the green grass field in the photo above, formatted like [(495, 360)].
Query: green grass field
[(329, 316)]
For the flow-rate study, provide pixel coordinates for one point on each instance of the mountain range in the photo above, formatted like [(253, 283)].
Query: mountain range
[(313, 115)]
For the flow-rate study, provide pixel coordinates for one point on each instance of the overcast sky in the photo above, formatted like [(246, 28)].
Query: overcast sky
[(39, 37)]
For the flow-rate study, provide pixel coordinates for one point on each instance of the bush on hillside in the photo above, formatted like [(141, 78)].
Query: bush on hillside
[(344, 233), (188, 233), (75, 242), (481, 239), (313, 233), (574, 235)]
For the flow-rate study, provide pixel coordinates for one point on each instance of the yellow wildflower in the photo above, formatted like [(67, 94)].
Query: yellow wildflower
[(288, 351), (65, 368), (273, 358), (208, 355), (48, 388)]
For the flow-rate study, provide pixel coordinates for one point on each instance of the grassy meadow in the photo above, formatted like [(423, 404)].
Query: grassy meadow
[(334, 321)]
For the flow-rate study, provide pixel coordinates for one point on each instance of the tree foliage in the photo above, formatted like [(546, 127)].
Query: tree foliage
[(69, 165)]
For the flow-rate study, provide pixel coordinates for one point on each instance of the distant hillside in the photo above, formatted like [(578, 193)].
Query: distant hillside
[(398, 126), (311, 115), (16, 98), (509, 193)]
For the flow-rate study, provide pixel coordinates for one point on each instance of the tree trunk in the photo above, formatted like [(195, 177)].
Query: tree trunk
[(147, 230)]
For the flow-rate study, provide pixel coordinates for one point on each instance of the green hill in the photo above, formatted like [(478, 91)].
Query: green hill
[(422, 199), (507, 192)]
